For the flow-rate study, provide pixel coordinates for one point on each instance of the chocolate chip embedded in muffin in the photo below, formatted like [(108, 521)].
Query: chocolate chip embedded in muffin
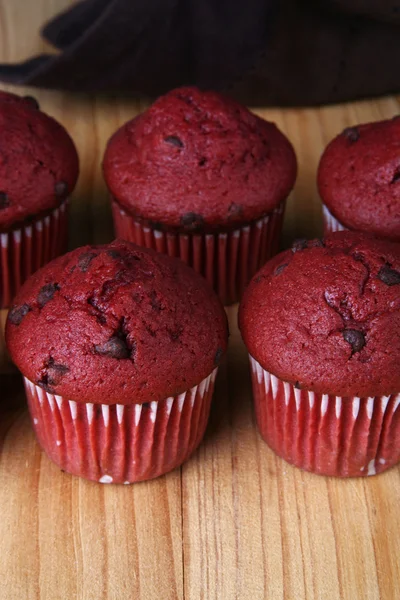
[(352, 134), (396, 176), (114, 254), (61, 189), (317, 243), (58, 368), (32, 101), (115, 347), (46, 293), (389, 276), (281, 268), (4, 200), (85, 259), (300, 244), (52, 374), (174, 141), (175, 333), (235, 210), (155, 302), (355, 338), (17, 313), (192, 220)]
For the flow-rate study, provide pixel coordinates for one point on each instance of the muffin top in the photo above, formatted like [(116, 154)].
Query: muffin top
[(325, 315), (116, 324), (196, 160), (359, 178), (38, 161)]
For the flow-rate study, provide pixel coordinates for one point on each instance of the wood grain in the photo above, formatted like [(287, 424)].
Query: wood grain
[(235, 522)]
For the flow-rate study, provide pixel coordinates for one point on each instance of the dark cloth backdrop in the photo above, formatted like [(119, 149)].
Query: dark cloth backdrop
[(282, 52)]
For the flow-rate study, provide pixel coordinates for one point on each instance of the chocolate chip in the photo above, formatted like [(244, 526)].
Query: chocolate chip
[(115, 254), (352, 134), (146, 405), (61, 189), (4, 201), (174, 140), (45, 386), (235, 210), (389, 276), (175, 333), (17, 313), (53, 373), (58, 367), (46, 293), (32, 101), (218, 355), (151, 331), (355, 338), (281, 268), (85, 259), (396, 176), (300, 244), (317, 243), (114, 348), (138, 298), (297, 385), (202, 161), (192, 220), (154, 301)]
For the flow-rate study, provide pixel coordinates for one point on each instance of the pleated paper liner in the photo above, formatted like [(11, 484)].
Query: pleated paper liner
[(23, 251), (328, 435), (228, 260), (120, 443), (331, 224)]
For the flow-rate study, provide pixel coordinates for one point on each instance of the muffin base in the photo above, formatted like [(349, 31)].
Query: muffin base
[(228, 260), (331, 224), (25, 250), (120, 443), (324, 434)]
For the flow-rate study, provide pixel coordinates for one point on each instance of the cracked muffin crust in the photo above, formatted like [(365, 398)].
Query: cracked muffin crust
[(116, 324), (325, 316), (196, 160), (359, 178), (38, 161)]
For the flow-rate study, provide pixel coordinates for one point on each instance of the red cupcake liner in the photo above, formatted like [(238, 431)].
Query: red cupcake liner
[(325, 434), (331, 224), (120, 443), (25, 250), (227, 260)]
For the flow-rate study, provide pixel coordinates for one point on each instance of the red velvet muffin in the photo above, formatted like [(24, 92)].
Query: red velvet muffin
[(119, 347), (200, 177), (321, 323), (38, 170), (359, 180)]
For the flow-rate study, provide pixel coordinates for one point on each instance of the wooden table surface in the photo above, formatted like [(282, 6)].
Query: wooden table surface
[(235, 521)]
